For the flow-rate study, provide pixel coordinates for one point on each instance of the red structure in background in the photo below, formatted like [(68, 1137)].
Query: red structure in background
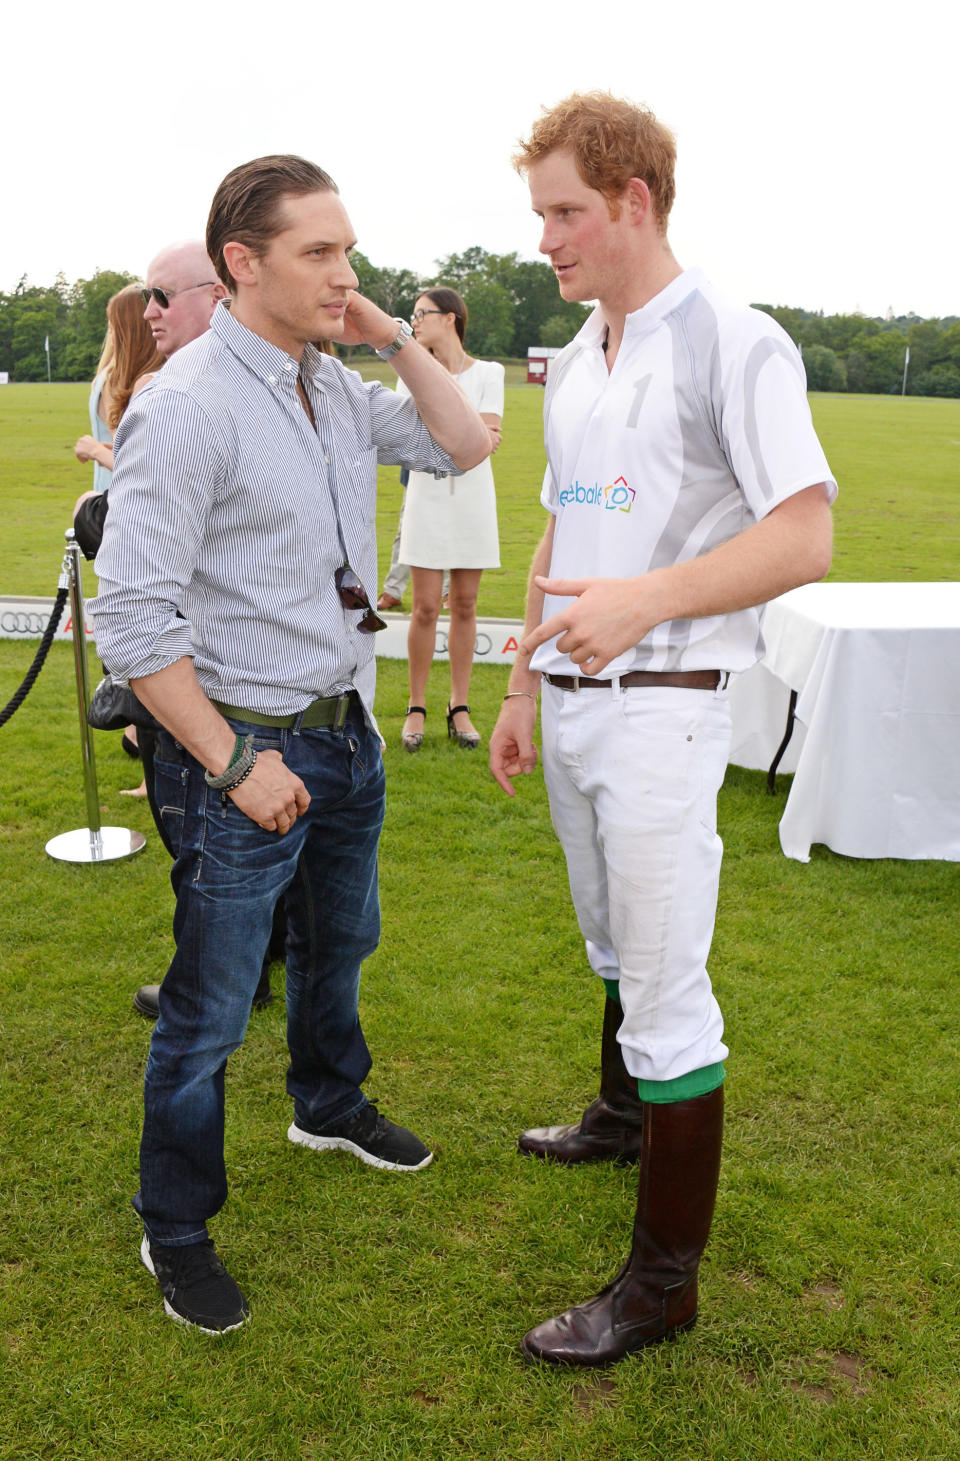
[(538, 363)]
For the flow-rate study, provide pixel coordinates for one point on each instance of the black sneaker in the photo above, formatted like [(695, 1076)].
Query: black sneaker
[(196, 1287), (371, 1137)]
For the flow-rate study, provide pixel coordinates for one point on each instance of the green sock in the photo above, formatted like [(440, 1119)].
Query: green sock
[(684, 1087)]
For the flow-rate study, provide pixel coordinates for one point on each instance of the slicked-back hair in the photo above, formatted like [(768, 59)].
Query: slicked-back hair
[(449, 301), (611, 141), (247, 207)]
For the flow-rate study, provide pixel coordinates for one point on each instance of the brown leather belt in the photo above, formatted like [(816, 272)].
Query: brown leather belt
[(679, 679)]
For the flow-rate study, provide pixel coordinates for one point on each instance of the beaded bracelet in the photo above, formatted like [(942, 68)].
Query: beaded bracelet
[(238, 770), (242, 777)]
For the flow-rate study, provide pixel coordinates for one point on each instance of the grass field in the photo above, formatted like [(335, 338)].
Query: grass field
[(387, 1310), (897, 462)]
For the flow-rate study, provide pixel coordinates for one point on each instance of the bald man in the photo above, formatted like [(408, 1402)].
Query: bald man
[(182, 292)]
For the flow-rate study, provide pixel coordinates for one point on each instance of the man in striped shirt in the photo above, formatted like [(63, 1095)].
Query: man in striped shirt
[(233, 593)]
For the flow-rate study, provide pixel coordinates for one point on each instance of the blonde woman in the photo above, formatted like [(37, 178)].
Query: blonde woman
[(128, 361), (129, 354)]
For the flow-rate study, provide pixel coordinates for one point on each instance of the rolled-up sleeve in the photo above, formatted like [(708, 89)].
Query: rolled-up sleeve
[(169, 468), (400, 436)]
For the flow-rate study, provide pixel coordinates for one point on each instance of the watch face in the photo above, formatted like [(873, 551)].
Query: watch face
[(404, 333)]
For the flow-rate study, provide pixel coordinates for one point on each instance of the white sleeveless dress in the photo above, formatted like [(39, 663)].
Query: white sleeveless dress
[(451, 522)]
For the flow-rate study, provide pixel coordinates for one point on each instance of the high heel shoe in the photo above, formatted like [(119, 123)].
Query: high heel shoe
[(413, 740), (466, 740)]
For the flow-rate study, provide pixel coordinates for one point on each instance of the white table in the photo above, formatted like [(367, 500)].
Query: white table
[(876, 747)]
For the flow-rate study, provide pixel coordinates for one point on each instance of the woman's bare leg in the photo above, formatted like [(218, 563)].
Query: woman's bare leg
[(422, 638), (464, 587)]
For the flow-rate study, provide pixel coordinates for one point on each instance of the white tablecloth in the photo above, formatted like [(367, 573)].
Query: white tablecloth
[(876, 748)]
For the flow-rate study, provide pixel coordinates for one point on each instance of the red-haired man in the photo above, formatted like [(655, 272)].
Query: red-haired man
[(685, 487)]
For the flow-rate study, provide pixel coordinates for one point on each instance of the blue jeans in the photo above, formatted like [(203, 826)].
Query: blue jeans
[(227, 877)]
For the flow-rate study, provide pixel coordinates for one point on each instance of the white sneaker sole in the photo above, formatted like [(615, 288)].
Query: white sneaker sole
[(171, 1312), (340, 1144)]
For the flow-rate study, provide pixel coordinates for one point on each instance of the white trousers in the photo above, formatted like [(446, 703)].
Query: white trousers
[(632, 777)]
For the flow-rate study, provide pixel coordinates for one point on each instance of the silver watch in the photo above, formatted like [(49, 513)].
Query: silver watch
[(404, 333)]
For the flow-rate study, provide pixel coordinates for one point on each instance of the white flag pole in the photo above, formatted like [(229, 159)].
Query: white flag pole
[(46, 346), (906, 362)]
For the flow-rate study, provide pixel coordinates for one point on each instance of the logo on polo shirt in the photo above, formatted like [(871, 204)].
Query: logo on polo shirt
[(617, 496)]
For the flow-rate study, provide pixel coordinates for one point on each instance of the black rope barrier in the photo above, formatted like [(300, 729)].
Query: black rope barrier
[(38, 659)]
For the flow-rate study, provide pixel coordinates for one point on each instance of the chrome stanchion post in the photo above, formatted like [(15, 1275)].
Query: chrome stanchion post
[(92, 843), (71, 565)]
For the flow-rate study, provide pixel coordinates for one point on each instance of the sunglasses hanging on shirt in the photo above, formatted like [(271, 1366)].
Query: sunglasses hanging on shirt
[(353, 595)]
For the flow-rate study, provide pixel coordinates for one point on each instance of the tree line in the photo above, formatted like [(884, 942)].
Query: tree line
[(857, 353), (513, 304)]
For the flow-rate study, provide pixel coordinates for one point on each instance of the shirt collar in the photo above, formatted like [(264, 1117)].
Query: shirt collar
[(271, 364), (655, 309), (640, 321), (315, 362)]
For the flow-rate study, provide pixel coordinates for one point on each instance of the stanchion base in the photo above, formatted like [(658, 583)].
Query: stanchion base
[(102, 846)]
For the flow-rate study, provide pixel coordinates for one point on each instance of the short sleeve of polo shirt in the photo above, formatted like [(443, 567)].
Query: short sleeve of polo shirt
[(763, 417), (548, 492)]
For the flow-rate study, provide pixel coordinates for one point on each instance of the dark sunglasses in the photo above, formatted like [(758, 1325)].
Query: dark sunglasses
[(164, 296), (353, 595)]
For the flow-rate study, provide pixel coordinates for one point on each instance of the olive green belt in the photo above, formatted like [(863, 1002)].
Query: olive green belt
[(329, 710)]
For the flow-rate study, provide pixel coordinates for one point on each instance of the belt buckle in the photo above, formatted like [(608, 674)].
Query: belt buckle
[(341, 712), (575, 687)]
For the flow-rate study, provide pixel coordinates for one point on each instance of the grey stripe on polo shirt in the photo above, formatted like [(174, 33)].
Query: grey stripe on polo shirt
[(710, 507), (229, 509)]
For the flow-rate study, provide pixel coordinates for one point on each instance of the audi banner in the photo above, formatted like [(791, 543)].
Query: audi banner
[(27, 618)]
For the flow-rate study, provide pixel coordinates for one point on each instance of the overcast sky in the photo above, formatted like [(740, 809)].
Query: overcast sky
[(818, 144)]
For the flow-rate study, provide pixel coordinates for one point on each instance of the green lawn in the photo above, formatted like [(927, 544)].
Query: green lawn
[(897, 462), (387, 1309)]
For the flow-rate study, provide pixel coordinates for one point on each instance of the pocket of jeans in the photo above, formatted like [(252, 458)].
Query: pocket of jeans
[(172, 819), (170, 771), (270, 740), (264, 738), (170, 775)]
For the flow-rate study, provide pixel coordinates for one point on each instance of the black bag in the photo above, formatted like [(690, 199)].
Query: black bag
[(88, 525), (113, 706)]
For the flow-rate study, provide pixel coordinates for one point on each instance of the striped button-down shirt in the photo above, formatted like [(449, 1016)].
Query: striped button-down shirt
[(229, 515)]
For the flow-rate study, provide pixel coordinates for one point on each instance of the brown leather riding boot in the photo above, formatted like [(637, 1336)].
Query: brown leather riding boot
[(611, 1128), (654, 1295)]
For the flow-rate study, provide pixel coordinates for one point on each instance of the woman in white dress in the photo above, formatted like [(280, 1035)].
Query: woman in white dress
[(450, 523)]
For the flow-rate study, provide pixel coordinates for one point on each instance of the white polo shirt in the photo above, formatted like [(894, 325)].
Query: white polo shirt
[(698, 431)]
